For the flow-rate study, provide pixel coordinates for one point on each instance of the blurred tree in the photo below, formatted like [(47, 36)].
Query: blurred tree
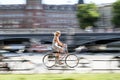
[(87, 15), (116, 13)]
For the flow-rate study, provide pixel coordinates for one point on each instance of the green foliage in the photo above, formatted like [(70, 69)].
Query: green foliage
[(66, 76), (116, 13), (87, 15), (67, 79)]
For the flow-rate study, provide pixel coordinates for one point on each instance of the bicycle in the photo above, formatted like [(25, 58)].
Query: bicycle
[(50, 59)]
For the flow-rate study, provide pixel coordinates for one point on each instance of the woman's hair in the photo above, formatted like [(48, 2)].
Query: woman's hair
[(57, 33)]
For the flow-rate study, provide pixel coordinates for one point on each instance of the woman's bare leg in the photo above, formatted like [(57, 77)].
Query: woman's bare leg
[(58, 58)]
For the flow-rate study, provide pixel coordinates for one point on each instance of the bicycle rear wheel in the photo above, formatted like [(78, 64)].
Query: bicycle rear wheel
[(49, 60), (71, 60)]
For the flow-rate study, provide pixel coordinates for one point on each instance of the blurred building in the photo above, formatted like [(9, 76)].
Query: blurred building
[(34, 14), (105, 11)]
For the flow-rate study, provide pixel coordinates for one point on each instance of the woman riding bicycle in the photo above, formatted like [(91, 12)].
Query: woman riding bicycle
[(50, 59), (58, 46)]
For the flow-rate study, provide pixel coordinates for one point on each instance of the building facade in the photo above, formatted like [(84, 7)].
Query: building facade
[(34, 14), (105, 11)]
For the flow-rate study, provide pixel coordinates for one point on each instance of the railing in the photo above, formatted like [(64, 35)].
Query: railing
[(30, 31), (51, 30)]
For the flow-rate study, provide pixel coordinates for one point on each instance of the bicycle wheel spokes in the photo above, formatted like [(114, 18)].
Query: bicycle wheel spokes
[(71, 60), (49, 60)]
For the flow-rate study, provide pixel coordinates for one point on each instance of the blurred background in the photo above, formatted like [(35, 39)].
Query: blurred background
[(90, 28)]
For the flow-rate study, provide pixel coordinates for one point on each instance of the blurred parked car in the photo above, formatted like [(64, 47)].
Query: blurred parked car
[(39, 48), (13, 47)]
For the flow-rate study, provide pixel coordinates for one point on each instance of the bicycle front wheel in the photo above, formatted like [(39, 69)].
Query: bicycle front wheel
[(49, 60), (71, 60)]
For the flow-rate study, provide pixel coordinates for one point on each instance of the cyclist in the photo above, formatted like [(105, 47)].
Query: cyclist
[(57, 46)]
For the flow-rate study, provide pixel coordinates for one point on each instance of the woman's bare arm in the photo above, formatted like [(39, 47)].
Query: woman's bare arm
[(59, 42)]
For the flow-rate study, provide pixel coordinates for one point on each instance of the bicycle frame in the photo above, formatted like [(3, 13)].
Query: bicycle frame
[(71, 60)]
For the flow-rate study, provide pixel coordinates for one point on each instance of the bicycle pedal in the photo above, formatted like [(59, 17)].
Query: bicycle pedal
[(57, 65)]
